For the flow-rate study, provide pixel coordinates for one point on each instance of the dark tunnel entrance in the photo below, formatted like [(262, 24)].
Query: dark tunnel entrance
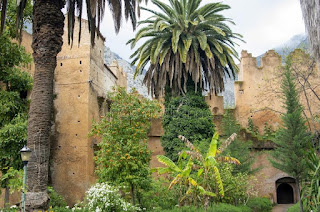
[(285, 194)]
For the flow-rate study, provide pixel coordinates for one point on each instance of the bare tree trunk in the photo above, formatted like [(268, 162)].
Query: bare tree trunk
[(299, 194), (48, 23)]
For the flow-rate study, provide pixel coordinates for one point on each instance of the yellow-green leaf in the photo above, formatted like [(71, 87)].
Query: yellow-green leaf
[(202, 38), (175, 39)]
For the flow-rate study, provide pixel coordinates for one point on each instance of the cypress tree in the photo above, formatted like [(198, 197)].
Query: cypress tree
[(292, 140), (189, 116)]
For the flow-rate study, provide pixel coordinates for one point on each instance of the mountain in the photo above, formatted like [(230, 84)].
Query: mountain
[(110, 56), (297, 41)]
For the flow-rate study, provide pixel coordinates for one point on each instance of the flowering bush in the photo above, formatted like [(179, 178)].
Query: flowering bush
[(103, 197)]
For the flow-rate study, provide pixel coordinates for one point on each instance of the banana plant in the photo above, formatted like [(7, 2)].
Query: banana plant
[(206, 166), (311, 190), (182, 175)]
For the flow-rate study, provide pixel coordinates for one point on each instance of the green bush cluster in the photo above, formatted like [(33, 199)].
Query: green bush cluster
[(294, 208), (260, 204), (189, 116), (222, 207), (56, 200)]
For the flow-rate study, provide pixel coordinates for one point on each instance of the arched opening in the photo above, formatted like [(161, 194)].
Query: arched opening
[(285, 194), (285, 191), (215, 110)]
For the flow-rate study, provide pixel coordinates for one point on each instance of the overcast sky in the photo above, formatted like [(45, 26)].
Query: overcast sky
[(264, 24)]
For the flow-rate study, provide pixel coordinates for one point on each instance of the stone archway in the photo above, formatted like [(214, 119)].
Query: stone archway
[(286, 190)]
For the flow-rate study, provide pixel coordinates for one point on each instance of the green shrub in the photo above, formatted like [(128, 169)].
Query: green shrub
[(260, 204), (222, 207), (189, 116), (184, 209), (244, 208), (294, 208), (56, 200), (67, 209), (159, 196)]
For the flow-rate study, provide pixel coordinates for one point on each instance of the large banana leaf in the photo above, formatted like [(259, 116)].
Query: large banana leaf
[(168, 162), (213, 146)]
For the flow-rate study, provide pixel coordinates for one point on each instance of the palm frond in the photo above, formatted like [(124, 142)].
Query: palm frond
[(199, 39)]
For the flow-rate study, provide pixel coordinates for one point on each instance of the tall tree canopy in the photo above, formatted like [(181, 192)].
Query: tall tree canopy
[(185, 39)]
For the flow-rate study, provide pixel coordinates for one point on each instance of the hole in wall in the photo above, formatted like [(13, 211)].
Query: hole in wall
[(80, 70), (76, 134), (79, 121), (80, 62), (60, 64)]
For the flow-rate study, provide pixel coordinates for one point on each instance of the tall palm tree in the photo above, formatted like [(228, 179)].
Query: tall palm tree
[(311, 15), (185, 42), (48, 23)]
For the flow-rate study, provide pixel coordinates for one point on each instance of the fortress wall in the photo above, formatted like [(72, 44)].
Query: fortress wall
[(216, 104), (252, 93), (70, 162), (266, 176)]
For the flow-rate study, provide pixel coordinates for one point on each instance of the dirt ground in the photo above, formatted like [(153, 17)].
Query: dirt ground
[(281, 207)]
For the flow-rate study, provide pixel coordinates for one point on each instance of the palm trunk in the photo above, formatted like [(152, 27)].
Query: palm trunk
[(299, 195), (48, 23)]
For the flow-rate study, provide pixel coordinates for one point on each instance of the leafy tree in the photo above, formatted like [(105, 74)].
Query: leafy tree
[(239, 148), (185, 42), (238, 186), (123, 156), (14, 85), (293, 140), (48, 28), (189, 116), (11, 18)]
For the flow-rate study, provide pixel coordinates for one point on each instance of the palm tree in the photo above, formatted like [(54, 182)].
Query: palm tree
[(311, 15), (48, 23), (185, 42)]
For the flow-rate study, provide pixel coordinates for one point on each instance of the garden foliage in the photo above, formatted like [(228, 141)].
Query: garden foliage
[(196, 173), (189, 116), (259, 204), (123, 156), (239, 148), (14, 85), (105, 198)]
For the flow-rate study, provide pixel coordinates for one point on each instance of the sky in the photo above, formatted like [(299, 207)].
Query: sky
[(264, 24)]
